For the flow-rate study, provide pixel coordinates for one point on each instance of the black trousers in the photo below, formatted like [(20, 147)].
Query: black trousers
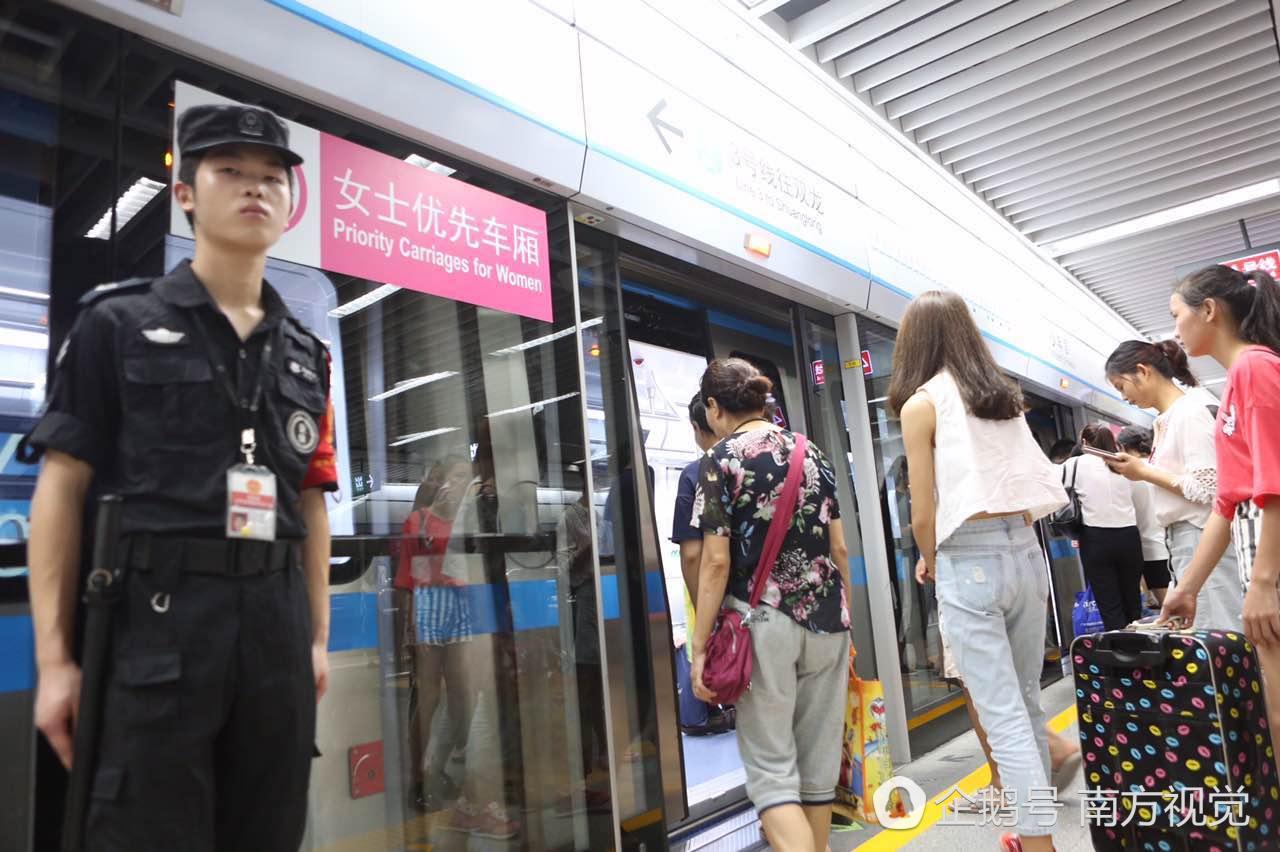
[(210, 714), (1112, 562), (1156, 573)]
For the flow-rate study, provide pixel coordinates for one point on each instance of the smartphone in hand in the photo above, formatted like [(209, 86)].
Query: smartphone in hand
[(1103, 454)]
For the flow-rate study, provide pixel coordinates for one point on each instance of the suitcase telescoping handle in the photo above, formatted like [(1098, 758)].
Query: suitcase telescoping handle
[(1125, 648)]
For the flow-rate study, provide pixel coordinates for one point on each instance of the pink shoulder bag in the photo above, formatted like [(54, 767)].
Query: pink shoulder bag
[(727, 671)]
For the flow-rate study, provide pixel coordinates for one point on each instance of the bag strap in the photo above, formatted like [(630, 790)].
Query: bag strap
[(1075, 471), (781, 522)]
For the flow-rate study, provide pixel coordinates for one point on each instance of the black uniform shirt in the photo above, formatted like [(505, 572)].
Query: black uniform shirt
[(137, 395)]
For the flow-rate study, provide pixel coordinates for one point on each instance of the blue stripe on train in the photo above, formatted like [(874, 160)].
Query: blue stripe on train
[(354, 620), (533, 606), (18, 662)]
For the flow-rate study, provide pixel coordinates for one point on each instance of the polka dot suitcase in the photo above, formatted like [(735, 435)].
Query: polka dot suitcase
[(1177, 755)]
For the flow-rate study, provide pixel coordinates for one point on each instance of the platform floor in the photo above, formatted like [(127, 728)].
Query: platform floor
[(960, 763)]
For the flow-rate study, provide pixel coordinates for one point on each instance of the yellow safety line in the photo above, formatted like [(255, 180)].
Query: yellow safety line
[(940, 710), (977, 779), (639, 821)]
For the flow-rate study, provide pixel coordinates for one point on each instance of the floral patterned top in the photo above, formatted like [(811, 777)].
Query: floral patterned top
[(740, 483)]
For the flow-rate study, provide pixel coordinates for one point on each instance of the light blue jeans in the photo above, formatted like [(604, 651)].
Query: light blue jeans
[(992, 592), (1220, 604)]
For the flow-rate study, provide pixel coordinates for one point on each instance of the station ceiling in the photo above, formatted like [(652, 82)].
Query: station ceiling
[(1067, 116)]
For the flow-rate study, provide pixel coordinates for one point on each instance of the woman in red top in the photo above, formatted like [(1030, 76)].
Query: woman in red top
[(1235, 318)]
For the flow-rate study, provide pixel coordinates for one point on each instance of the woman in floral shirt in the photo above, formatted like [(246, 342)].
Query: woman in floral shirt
[(800, 633)]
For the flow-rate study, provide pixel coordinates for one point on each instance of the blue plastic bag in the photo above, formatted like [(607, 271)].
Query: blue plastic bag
[(1085, 616)]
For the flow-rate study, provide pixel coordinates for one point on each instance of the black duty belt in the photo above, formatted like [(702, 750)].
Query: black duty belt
[(222, 557)]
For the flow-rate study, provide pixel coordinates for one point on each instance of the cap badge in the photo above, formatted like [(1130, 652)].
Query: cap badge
[(250, 123)]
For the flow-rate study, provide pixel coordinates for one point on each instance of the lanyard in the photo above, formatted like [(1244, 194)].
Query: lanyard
[(248, 413)]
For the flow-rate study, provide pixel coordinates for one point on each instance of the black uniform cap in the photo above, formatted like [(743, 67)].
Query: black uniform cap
[(203, 127)]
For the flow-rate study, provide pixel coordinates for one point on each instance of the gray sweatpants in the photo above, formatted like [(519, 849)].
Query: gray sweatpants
[(791, 720)]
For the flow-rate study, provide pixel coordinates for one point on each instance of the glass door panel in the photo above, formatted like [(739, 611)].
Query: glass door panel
[(1052, 423), (629, 591), (829, 427), (915, 607)]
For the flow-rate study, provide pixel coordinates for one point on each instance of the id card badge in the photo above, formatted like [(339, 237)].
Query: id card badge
[(251, 503)]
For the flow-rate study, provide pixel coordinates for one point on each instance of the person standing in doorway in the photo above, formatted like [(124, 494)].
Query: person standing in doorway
[(1110, 544), (1182, 466), (790, 720), (979, 481), (183, 395), (1062, 450), (696, 717)]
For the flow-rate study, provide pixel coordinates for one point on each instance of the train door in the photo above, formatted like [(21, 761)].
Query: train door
[(671, 320), (674, 327), (1053, 425)]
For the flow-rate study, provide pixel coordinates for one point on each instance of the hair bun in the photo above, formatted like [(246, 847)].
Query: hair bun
[(736, 385)]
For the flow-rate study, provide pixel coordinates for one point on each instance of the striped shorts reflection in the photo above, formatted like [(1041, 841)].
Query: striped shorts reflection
[(442, 615)]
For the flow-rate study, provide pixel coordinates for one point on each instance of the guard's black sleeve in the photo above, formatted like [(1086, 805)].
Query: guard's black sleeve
[(82, 413)]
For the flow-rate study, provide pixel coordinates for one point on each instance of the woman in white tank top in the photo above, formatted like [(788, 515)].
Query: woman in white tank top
[(978, 482)]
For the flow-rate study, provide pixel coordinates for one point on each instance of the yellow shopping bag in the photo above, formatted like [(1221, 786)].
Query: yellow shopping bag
[(865, 761)]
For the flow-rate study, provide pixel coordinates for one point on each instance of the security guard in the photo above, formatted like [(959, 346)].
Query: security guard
[(201, 401)]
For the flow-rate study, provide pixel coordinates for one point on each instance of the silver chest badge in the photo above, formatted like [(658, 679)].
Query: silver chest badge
[(163, 336)]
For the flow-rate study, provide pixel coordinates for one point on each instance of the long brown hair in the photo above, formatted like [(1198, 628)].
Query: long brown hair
[(937, 333)]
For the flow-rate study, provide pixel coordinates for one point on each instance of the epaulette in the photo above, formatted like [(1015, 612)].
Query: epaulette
[(102, 291), (303, 334)]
